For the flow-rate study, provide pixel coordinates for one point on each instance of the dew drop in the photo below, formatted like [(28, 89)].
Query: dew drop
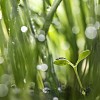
[(55, 98), (13, 86), (75, 29), (97, 10), (41, 36), (1, 60), (59, 89), (24, 80), (42, 67), (46, 90), (48, 8), (24, 29), (45, 56), (91, 32), (13, 43), (3, 90)]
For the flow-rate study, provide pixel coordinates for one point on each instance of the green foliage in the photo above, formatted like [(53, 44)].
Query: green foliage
[(83, 55), (35, 32), (63, 61)]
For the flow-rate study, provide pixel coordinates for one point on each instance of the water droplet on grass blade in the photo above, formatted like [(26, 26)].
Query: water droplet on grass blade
[(48, 8), (42, 67), (55, 98), (1, 60), (13, 43), (91, 32), (46, 90), (24, 29), (24, 80), (60, 61), (41, 36), (3, 90), (59, 89)]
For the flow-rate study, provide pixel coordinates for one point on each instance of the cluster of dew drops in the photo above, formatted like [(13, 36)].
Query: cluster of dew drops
[(92, 25)]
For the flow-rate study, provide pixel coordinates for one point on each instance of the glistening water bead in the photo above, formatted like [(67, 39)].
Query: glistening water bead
[(91, 32), (3, 90), (24, 29), (42, 67), (55, 98), (41, 36), (46, 90)]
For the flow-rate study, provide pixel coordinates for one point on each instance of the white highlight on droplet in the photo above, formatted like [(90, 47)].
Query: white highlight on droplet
[(55, 98), (75, 29), (1, 60), (24, 29), (42, 67), (3, 90), (0, 15), (97, 10), (13, 43), (24, 80), (91, 32), (41, 36), (59, 89)]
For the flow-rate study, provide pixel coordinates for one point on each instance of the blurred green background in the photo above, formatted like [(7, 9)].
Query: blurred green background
[(33, 33)]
